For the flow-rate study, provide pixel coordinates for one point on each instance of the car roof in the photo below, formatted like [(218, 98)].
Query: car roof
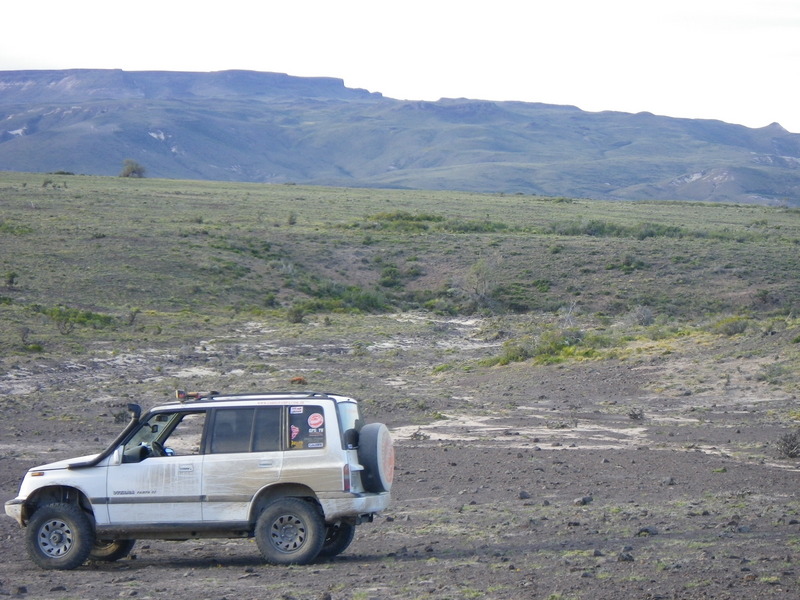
[(214, 399)]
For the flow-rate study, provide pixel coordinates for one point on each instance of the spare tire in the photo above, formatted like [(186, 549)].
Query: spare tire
[(376, 455)]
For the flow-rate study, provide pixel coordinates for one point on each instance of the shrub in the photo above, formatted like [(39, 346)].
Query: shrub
[(462, 226), (731, 326), (788, 444), (67, 318), (551, 346), (295, 314), (390, 276), (636, 414), (13, 229), (772, 373), (131, 168), (403, 221), (642, 315), (598, 228), (332, 296)]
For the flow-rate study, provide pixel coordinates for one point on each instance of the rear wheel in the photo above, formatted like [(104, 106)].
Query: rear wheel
[(111, 550), (59, 536), (337, 538), (290, 531)]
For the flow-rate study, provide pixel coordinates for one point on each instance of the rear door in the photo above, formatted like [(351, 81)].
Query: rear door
[(244, 454)]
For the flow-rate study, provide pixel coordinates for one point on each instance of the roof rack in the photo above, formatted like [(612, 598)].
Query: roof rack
[(184, 396)]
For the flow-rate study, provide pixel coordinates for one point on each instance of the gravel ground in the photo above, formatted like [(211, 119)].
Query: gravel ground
[(600, 480)]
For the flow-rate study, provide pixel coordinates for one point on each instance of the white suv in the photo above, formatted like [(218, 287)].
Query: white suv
[(297, 471)]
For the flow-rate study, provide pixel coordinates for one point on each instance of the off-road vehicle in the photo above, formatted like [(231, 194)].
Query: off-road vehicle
[(297, 471)]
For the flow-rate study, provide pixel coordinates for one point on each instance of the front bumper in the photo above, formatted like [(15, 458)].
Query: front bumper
[(16, 510)]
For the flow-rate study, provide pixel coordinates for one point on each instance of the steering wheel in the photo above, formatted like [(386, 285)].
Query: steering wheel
[(157, 449)]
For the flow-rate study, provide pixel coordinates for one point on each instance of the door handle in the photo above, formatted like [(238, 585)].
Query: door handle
[(266, 463), (185, 468)]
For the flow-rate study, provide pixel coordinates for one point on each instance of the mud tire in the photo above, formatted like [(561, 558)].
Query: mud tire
[(290, 531), (59, 536), (376, 455), (337, 538), (111, 550)]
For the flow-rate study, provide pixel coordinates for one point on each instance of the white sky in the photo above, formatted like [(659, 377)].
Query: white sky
[(733, 60)]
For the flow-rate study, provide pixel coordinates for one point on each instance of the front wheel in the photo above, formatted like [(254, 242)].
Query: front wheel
[(59, 536), (337, 538), (111, 550), (290, 531)]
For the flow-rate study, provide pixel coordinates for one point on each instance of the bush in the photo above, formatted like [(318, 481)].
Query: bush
[(642, 315), (131, 168), (403, 221), (598, 228), (295, 314), (464, 226), (788, 444), (551, 346), (731, 326), (772, 373), (67, 318), (332, 296)]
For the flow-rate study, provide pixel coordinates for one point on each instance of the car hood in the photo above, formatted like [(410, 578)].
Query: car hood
[(63, 464)]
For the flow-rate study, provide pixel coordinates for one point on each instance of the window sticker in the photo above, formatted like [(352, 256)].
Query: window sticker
[(306, 427)]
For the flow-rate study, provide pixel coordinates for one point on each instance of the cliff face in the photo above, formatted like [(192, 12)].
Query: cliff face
[(271, 127), (80, 85)]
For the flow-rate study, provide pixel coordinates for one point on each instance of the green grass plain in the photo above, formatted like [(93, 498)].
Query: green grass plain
[(87, 258)]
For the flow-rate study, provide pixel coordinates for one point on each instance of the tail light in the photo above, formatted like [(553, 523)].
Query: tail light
[(346, 481)]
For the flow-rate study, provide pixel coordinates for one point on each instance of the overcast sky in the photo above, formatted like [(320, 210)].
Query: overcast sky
[(733, 60)]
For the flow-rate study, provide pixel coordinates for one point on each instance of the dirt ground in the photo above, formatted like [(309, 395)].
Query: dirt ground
[(655, 478)]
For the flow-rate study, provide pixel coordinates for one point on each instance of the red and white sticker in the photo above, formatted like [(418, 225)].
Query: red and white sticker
[(315, 421)]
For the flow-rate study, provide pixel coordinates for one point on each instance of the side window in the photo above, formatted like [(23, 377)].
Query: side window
[(306, 427), (187, 434), (267, 430), (232, 430), (166, 434), (246, 429)]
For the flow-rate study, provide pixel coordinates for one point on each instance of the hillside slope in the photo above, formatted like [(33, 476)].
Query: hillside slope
[(268, 127)]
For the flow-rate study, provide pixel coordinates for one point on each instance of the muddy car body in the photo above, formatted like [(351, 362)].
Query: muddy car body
[(297, 471)]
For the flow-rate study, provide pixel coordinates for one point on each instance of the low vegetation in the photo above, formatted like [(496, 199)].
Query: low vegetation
[(617, 402), (145, 260)]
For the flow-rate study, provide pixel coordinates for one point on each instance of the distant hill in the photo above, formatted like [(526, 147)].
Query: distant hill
[(271, 127)]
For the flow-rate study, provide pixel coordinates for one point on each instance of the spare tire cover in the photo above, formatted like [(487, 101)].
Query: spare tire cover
[(376, 454)]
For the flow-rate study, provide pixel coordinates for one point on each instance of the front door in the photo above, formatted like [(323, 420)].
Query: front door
[(160, 477)]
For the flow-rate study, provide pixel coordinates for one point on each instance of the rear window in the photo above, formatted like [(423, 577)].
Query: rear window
[(306, 427)]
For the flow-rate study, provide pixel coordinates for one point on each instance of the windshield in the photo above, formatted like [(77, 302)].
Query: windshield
[(152, 429)]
